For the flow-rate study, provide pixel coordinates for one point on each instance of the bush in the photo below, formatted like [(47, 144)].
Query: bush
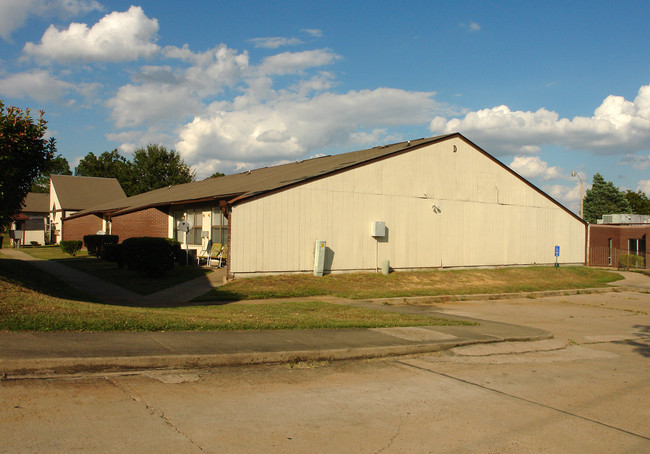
[(97, 243), (71, 247), (151, 257), (114, 253), (628, 261)]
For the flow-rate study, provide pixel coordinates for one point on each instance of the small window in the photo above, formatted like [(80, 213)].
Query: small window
[(633, 246), (609, 252), (195, 216), (219, 227)]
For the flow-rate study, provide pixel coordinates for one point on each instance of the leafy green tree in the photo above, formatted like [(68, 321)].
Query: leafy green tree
[(603, 198), (155, 167), (24, 154), (217, 175), (57, 166), (109, 164), (638, 201)]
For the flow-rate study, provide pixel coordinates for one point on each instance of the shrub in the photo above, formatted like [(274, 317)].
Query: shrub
[(628, 261), (34, 243), (114, 253), (151, 257), (71, 247), (97, 243)]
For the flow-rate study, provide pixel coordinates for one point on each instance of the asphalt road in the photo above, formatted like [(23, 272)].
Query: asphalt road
[(586, 390)]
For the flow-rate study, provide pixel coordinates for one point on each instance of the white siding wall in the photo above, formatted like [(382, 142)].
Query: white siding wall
[(487, 217)]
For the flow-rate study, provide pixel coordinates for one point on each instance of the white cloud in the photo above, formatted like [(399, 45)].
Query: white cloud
[(291, 126), (569, 196), (135, 105), (14, 13), (118, 36), (294, 62), (315, 32), (41, 86), (618, 126), (644, 185), (168, 94), (275, 42), (640, 162), (471, 26), (534, 167)]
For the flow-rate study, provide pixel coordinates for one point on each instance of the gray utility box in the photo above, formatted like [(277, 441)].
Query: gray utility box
[(319, 258)]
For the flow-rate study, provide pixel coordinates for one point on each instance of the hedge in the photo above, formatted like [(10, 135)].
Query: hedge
[(71, 247), (628, 261), (96, 244), (149, 256)]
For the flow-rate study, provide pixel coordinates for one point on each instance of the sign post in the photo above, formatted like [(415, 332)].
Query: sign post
[(185, 226), (557, 254)]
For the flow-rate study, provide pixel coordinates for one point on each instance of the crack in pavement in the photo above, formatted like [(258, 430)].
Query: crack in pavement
[(154, 411), (523, 399)]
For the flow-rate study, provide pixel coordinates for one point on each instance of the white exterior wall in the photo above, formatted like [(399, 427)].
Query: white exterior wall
[(487, 217)]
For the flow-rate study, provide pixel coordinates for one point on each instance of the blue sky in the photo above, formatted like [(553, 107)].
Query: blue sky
[(546, 87)]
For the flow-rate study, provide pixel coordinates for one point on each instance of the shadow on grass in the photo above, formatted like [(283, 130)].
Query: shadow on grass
[(32, 278)]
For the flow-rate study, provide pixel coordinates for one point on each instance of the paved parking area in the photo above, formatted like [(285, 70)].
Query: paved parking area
[(585, 390)]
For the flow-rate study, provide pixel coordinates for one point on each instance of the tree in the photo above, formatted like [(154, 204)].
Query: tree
[(57, 166), (603, 198), (154, 167), (109, 164), (217, 175), (24, 154), (638, 201)]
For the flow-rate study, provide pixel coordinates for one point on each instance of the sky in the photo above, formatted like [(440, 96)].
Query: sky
[(545, 87)]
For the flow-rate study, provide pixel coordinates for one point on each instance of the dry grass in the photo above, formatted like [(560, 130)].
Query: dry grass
[(420, 283)]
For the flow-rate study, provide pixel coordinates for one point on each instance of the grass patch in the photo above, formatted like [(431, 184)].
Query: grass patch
[(33, 301), (420, 283), (109, 271)]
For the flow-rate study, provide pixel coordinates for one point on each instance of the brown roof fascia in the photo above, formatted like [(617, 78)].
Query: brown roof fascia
[(162, 204), (248, 197)]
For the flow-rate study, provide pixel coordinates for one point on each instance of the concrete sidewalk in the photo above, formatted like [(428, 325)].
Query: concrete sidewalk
[(33, 353)]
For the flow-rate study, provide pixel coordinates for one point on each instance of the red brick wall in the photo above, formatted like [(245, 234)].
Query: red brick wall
[(149, 222), (75, 229), (599, 236)]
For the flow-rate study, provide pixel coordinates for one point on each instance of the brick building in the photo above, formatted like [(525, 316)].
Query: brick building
[(616, 235)]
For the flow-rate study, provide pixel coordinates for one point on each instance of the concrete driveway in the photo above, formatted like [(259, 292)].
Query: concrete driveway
[(586, 390)]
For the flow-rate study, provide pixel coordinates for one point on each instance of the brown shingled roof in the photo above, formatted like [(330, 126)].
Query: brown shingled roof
[(237, 187), (36, 202), (79, 193)]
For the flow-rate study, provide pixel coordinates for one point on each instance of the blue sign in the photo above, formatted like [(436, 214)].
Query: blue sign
[(557, 251)]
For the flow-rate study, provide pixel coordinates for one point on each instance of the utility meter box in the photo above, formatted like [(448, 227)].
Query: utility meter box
[(319, 258), (378, 229)]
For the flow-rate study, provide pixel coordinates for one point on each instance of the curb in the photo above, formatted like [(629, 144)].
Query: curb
[(49, 367), (405, 300)]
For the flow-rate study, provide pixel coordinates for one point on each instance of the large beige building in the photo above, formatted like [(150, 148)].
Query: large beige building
[(443, 202)]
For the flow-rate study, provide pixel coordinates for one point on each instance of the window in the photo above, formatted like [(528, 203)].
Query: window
[(219, 227), (195, 216), (609, 252), (633, 246)]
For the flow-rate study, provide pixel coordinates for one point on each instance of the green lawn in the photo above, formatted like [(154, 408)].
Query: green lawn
[(110, 272), (419, 283), (33, 301)]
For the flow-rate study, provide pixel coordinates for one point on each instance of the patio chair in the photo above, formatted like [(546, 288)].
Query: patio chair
[(214, 253), (223, 255), (204, 253)]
